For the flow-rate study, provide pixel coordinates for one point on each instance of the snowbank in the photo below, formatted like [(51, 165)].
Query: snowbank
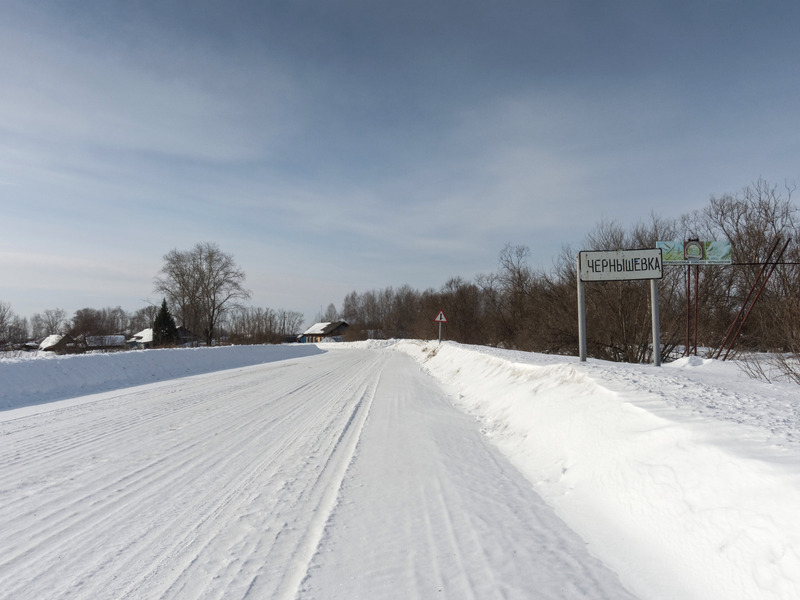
[(685, 480), (34, 379)]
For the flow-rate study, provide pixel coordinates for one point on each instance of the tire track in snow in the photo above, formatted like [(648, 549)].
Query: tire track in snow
[(429, 508), (135, 487), (185, 557), (196, 488), (142, 486), (343, 475), (303, 497), (326, 492)]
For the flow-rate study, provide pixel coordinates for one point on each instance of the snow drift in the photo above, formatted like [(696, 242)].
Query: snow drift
[(680, 505)]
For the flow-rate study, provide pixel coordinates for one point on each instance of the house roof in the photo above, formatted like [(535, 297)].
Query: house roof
[(145, 336), (323, 328), (103, 341), (316, 329), (50, 341)]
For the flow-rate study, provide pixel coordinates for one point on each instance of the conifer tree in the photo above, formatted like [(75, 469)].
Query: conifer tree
[(165, 332)]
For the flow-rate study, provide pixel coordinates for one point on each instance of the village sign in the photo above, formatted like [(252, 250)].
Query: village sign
[(620, 265)]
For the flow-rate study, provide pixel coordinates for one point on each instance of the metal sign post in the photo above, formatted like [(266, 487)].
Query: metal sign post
[(582, 350), (656, 322), (620, 265), (440, 318), (693, 253)]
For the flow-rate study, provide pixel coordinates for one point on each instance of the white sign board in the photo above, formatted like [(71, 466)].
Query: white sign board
[(620, 265)]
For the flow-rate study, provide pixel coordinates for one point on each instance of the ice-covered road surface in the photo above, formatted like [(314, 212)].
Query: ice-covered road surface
[(347, 474)]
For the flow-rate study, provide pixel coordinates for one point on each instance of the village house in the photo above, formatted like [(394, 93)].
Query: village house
[(323, 332), (141, 340), (59, 344), (104, 343)]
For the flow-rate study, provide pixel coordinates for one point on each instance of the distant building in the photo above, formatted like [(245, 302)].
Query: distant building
[(141, 340), (186, 337), (59, 344), (323, 332), (104, 343)]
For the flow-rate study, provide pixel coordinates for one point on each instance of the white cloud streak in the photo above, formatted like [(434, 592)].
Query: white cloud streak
[(395, 147)]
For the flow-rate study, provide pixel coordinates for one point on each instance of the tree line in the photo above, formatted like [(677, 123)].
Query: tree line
[(524, 308), (202, 288), (517, 306)]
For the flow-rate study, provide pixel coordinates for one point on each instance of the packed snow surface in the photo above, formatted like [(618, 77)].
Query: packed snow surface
[(394, 470)]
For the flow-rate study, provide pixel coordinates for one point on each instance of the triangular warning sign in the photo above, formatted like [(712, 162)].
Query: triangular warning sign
[(440, 318)]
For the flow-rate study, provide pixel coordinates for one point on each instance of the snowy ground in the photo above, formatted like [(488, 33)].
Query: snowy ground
[(394, 471)]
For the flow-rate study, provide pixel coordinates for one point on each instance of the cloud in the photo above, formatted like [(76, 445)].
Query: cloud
[(47, 269), (359, 143), (61, 97)]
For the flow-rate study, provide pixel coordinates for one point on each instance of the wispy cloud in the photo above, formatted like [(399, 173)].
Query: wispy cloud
[(358, 144)]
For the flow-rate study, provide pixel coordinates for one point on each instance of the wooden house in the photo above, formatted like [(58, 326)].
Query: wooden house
[(324, 332), (59, 344)]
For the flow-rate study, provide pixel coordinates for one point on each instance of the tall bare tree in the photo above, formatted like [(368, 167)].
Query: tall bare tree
[(51, 321), (6, 318), (18, 331), (201, 285), (330, 315), (288, 323), (143, 318), (103, 321)]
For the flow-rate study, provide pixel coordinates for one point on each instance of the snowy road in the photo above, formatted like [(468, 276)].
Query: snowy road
[(342, 475)]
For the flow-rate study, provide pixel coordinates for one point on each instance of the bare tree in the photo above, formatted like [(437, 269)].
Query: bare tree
[(405, 312), (351, 311), (256, 325), (330, 314), (202, 285), (512, 300), (143, 318), (104, 321), (288, 323), (463, 305), (252, 325), (51, 321), (13, 328), (18, 331), (752, 220), (6, 318)]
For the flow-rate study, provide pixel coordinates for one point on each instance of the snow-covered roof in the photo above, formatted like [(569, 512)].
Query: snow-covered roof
[(145, 336), (323, 328), (99, 341), (50, 341), (316, 329)]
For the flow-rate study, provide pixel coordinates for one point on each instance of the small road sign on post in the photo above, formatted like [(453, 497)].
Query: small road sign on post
[(440, 318)]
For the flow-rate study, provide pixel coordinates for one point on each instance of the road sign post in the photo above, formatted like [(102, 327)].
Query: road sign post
[(620, 265), (693, 253), (440, 318)]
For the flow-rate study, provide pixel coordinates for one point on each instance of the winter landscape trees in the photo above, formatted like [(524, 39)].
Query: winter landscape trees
[(517, 306), (203, 285), (528, 309), (13, 328), (203, 288)]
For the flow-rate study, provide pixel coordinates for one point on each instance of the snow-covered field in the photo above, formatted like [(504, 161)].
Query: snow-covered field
[(394, 470)]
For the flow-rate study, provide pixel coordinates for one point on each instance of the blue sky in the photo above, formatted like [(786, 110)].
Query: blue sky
[(354, 145)]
